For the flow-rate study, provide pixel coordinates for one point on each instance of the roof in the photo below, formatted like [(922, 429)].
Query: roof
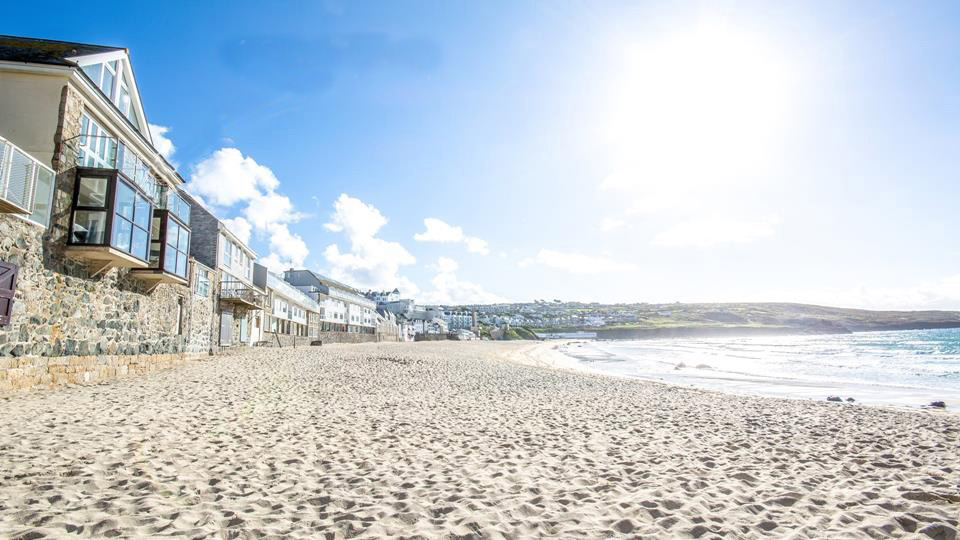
[(324, 280), (47, 51), (64, 53)]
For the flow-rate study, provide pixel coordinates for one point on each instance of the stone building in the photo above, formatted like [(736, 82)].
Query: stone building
[(93, 229), (239, 291)]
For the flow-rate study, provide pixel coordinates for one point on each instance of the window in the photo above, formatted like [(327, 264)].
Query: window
[(98, 148), (176, 249), (25, 184), (178, 206), (203, 282), (43, 197), (90, 216), (112, 79), (227, 251), (131, 220), (237, 257), (109, 211)]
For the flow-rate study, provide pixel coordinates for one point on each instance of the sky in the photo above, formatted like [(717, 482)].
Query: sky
[(475, 152)]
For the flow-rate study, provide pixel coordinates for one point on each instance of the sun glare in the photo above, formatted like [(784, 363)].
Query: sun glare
[(693, 110)]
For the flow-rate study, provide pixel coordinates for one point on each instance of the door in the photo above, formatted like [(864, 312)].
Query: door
[(255, 333), (226, 327)]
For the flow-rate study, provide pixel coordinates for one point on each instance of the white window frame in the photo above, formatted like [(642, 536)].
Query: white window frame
[(30, 189)]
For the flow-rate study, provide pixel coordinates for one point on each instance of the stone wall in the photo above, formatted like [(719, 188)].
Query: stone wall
[(325, 337), (37, 371), (200, 333), (61, 314)]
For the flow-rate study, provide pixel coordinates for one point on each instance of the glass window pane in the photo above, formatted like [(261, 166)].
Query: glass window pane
[(93, 191), (143, 213), (93, 71), (138, 247), (111, 153), (121, 234), (124, 100), (107, 85), (184, 240), (170, 260), (125, 200), (42, 197), (172, 230), (89, 227), (182, 265), (155, 247)]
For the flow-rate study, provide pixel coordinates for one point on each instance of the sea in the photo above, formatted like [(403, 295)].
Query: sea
[(906, 368)]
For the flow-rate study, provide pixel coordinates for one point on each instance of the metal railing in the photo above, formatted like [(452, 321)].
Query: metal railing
[(109, 152), (239, 291)]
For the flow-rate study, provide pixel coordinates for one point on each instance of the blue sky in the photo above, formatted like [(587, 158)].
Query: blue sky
[(608, 151)]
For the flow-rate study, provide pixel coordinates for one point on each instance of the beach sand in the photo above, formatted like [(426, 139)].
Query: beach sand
[(460, 440)]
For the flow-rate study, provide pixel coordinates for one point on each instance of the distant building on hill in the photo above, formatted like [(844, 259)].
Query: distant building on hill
[(458, 320), (383, 297)]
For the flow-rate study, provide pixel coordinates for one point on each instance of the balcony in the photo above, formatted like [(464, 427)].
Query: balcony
[(241, 294), (21, 176), (95, 149)]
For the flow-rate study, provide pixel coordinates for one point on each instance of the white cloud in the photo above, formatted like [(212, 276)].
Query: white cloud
[(371, 262), (612, 224), (577, 263), (449, 289), (716, 231), (227, 178), (477, 245), (231, 182), (162, 143), (440, 231)]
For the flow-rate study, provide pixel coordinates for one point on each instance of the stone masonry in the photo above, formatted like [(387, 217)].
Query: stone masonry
[(68, 327)]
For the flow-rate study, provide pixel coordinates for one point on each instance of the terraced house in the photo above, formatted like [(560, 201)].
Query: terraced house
[(95, 236), (238, 284)]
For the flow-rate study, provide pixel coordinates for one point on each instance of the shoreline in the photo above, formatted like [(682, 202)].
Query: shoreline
[(547, 354)]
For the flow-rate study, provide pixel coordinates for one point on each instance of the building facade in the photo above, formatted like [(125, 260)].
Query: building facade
[(345, 308), (292, 316), (240, 292), (94, 235)]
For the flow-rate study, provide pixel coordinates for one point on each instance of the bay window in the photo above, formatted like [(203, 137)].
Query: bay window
[(177, 248), (169, 249), (110, 214)]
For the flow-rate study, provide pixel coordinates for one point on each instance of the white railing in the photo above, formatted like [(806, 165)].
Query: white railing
[(18, 178)]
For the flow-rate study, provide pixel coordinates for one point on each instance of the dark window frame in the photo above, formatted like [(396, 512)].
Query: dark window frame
[(110, 207), (165, 216)]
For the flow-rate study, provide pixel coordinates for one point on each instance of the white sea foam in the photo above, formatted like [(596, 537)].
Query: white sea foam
[(911, 367)]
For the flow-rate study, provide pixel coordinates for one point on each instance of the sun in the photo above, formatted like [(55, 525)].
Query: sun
[(694, 109)]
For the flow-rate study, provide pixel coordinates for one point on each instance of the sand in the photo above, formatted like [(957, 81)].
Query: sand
[(460, 440)]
